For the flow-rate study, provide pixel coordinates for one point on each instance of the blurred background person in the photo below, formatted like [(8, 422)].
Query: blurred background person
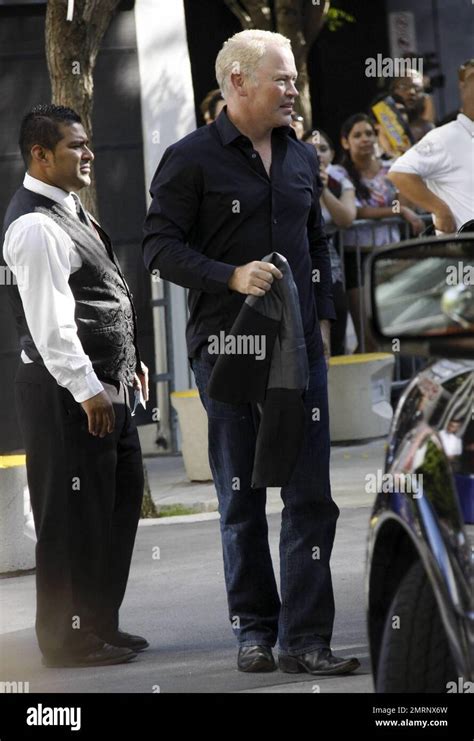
[(376, 198), (384, 148), (297, 122), (212, 105), (339, 210), (409, 90)]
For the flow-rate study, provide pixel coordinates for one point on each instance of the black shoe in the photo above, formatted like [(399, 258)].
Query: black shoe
[(255, 659), (125, 640), (106, 655), (321, 661)]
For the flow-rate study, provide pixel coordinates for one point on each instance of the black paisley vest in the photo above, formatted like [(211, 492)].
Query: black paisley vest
[(105, 315)]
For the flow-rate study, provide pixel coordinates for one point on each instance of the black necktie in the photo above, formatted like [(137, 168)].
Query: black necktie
[(82, 215), (80, 211)]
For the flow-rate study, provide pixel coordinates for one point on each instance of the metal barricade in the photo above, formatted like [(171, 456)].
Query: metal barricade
[(366, 235)]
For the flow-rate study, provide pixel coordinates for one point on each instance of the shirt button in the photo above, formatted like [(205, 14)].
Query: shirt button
[(275, 221), (253, 155)]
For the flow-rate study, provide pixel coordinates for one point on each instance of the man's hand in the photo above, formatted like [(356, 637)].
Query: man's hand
[(325, 325), (323, 174), (100, 414), (413, 219), (142, 380), (415, 190), (444, 220), (255, 278)]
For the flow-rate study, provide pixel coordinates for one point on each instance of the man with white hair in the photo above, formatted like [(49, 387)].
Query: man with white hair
[(224, 197)]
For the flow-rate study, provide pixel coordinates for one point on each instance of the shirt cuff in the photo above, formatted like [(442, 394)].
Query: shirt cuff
[(85, 388), (220, 274), (325, 309)]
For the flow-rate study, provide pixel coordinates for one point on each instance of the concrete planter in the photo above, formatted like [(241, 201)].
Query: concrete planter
[(193, 425), (17, 539), (359, 396)]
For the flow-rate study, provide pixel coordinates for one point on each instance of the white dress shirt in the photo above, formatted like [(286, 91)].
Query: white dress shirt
[(444, 159), (48, 257)]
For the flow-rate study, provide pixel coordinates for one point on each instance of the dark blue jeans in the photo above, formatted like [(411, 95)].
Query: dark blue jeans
[(303, 619)]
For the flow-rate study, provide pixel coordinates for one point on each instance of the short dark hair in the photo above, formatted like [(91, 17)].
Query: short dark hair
[(41, 126), (209, 104)]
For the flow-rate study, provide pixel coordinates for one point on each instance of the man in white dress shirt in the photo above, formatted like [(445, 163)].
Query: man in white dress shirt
[(79, 368), (438, 173)]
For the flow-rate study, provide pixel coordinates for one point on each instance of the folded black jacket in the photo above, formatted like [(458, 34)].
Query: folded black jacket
[(274, 381)]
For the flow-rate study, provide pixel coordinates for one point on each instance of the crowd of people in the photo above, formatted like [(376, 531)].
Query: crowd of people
[(356, 185)]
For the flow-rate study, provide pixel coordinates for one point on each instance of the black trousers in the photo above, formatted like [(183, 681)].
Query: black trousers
[(86, 495)]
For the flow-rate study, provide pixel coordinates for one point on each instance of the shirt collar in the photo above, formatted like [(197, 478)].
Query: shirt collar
[(229, 132), (50, 191), (466, 123)]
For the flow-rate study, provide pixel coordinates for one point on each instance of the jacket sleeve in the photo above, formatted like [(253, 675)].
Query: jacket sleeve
[(176, 191), (319, 247)]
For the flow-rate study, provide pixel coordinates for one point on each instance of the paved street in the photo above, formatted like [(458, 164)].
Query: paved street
[(178, 602)]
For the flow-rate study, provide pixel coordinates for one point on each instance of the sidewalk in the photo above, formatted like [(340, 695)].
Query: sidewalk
[(178, 601), (349, 466)]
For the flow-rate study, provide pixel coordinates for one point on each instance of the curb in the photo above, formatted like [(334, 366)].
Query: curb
[(179, 519)]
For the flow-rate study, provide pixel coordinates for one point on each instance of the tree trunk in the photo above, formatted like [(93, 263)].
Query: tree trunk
[(289, 22), (252, 13), (71, 53), (148, 505), (298, 20)]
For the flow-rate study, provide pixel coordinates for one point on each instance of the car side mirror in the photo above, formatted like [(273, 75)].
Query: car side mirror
[(422, 294)]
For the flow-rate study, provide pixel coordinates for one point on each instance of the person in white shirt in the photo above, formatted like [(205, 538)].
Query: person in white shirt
[(79, 368), (437, 174)]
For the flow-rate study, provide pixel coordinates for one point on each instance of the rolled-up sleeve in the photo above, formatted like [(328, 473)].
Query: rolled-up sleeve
[(176, 191)]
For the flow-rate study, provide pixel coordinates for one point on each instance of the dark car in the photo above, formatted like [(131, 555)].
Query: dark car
[(420, 597)]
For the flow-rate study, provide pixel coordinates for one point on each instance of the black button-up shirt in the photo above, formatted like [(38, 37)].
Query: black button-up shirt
[(214, 208)]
